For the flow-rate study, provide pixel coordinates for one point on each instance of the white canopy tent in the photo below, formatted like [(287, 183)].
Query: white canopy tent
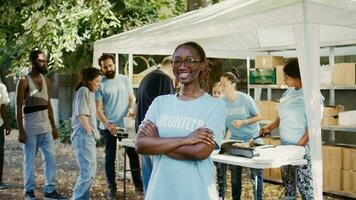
[(246, 28)]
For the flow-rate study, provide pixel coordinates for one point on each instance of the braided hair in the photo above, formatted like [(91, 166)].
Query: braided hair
[(203, 77)]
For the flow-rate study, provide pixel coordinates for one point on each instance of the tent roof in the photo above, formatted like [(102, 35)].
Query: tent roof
[(240, 28)]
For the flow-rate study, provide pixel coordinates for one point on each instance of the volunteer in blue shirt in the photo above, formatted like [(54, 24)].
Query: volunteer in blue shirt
[(84, 129), (182, 130), (293, 130), (241, 120), (115, 100)]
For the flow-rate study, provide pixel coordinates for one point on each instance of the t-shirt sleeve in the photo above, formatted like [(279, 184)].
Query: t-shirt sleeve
[(216, 122), (82, 103), (99, 94), (128, 84), (252, 107), (153, 110), (4, 98)]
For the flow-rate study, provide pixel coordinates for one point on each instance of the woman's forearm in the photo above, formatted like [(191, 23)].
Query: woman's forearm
[(274, 124), (154, 145), (253, 119), (85, 123), (198, 151), (304, 140)]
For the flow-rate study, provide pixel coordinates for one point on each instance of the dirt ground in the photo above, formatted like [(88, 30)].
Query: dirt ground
[(67, 172)]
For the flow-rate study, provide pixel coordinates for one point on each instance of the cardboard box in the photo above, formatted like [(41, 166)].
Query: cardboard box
[(325, 178), (325, 151), (346, 158), (266, 140), (276, 174), (332, 111), (275, 141), (353, 174), (347, 118), (263, 107), (266, 173), (346, 180), (331, 121), (335, 157), (268, 109), (268, 61), (353, 160), (272, 110), (335, 183), (344, 74), (280, 75), (262, 76)]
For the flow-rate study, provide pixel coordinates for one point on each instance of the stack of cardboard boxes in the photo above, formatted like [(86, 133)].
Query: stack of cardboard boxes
[(344, 74), (265, 69), (339, 169), (331, 113), (268, 109)]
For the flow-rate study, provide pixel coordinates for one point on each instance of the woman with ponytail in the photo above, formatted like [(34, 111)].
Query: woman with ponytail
[(293, 130), (241, 120), (84, 129), (182, 130)]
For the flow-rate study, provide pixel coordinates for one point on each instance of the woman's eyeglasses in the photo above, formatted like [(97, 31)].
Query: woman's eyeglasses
[(189, 61)]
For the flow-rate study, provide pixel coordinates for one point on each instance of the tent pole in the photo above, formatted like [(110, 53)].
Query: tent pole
[(248, 65), (332, 91), (117, 63), (130, 67), (308, 49)]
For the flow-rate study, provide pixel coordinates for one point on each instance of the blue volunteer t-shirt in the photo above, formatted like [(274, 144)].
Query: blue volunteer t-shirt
[(292, 116), (114, 93), (243, 107), (184, 179), (293, 121)]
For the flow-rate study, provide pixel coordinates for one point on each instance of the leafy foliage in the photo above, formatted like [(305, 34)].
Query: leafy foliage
[(66, 30), (65, 131), (54, 26)]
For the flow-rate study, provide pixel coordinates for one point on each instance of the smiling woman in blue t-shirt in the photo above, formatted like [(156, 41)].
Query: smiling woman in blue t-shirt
[(181, 131), (241, 120), (293, 130)]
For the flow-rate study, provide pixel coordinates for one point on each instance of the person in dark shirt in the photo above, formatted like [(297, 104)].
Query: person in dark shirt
[(155, 83)]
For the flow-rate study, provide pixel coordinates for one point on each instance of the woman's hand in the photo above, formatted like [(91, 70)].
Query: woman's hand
[(201, 135), (238, 123), (147, 128), (265, 131)]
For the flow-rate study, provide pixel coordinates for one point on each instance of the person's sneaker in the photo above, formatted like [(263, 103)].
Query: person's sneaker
[(30, 195), (2, 185), (53, 196), (111, 194)]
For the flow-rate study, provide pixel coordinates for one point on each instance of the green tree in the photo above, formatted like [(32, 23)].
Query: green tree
[(66, 29), (54, 26)]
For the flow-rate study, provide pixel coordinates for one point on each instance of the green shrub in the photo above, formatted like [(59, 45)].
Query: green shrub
[(65, 131)]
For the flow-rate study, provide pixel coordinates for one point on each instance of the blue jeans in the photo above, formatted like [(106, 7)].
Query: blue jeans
[(43, 142), (236, 188), (85, 152), (146, 165)]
